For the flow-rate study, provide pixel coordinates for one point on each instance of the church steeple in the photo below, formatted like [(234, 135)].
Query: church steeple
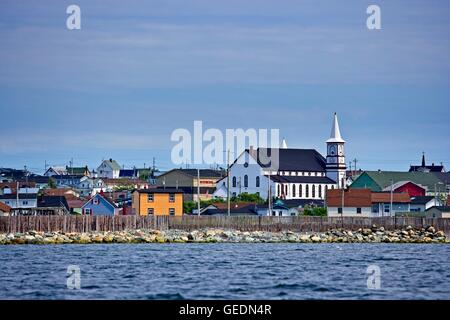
[(423, 159), (284, 144), (335, 135), (336, 165)]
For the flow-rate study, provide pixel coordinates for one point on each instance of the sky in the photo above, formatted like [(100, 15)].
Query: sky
[(138, 70)]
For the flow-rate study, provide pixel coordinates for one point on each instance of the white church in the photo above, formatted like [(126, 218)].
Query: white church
[(298, 173)]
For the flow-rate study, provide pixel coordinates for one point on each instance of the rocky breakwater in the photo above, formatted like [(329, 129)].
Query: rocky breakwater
[(367, 235)]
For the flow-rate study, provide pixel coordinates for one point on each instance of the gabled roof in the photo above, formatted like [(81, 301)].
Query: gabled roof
[(98, 195), (112, 164), (302, 179), (441, 208), (52, 202), (399, 184), (421, 199), (77, 170), (351, 198), (4, 207), (291, 159), (385, 197), (57, 169), (383, 178)]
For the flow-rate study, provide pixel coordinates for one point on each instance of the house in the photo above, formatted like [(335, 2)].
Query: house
[(90, 186), (381, 203), (40, 182), (438, 212), (158, 201), (288, 173), (68, 193), (12, 174), (380, 180), (423, 203), (99, 205), (55, 171), (20, 201), (426, 168), (365, 203), (411, 188), (68, 180), (4, 209), (109, 169), (111, 185), (52, 205), (349, 203), (11, 187), (84, 171), (75, 206), (188, 181)]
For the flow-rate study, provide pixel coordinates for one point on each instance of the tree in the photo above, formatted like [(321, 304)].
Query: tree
[(51, 183), (315, 211)]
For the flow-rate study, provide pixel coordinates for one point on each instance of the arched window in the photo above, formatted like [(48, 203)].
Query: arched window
[(246, 181), (300, 190), (320, 191), (279, 191), (234, 182), (285, 189), (257, 182), (307, 191), (293, 191), (313, 190)]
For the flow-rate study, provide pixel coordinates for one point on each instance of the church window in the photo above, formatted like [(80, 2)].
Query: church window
[(293, 190), (246, 181), (313, 190), (300, 190), (307, 191), (279, 191), (320, 191), (234, 182), (257, 182)]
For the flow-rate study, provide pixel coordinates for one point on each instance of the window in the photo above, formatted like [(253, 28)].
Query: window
[(280, 213), (307, 191), (320, 191), (172, 211), (273, 213), (257, 182), (387, 208), (150, 197), (300, 190), (171, 197), (313, 190), (358, 210), (246, 181), (95, 201), (24, 202), (87, 211), (293, 190), (150, 211), (234, 182), (279, 190), (285, 189), (340, 210)]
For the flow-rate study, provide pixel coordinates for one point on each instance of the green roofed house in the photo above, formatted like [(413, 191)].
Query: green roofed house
[(380, 180), (81, 171)]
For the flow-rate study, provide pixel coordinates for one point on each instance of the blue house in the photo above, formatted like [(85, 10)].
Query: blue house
[(100, 205)]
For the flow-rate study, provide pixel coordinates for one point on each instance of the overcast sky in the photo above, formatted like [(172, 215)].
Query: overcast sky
[(137, 70)]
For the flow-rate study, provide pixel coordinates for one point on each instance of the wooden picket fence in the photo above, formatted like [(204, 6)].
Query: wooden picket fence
[(85, 223)]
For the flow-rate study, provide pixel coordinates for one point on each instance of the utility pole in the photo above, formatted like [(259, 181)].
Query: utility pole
[(228, 182), (355, 161), (392, 196), (342, 207), (270, 196), (198, 191)]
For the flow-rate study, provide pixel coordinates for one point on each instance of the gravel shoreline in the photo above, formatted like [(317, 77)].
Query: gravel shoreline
[(372, 235)]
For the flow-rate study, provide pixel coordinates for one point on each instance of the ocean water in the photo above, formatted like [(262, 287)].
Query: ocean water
[(226, 271)]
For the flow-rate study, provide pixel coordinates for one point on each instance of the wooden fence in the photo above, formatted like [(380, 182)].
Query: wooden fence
[(83, 223)]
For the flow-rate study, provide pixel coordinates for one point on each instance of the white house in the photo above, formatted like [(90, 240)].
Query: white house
[(109, 169), (55, 171), (288, 173), (24, 201)]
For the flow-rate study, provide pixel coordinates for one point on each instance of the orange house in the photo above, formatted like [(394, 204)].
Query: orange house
[(158, 202)]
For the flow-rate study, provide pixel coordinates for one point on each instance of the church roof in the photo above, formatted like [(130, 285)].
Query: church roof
[(302, 179), (335, 135), (291, 159)]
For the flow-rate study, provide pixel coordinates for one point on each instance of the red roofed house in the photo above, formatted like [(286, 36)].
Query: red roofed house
[(411, 188), (4, 209)]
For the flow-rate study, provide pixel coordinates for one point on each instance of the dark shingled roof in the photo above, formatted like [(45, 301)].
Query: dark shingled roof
[(421, 199), (52, 202), (301, 179), (292, 159), (204, 173)]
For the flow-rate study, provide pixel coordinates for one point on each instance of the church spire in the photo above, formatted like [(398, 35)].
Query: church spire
[(284, 144), (335, 132), (423, 159)]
